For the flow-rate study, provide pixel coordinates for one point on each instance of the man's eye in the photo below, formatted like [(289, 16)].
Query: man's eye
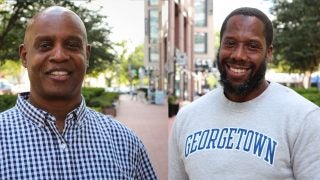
[(229, 43), (253, 46), (44, 45), (73, 45)]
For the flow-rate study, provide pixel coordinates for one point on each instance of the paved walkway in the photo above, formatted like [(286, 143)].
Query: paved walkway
[(150, 123)]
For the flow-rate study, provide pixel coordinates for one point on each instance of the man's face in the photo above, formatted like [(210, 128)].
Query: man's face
[(243, 56), (55, 53)]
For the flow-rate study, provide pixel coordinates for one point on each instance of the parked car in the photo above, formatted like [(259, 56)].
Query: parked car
[(5, 87)]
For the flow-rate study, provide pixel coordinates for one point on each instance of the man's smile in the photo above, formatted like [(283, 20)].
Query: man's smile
[(59, 74), (238, 71)]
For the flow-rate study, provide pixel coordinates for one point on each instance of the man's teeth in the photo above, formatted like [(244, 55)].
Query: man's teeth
[(59, 73), (237, 70)]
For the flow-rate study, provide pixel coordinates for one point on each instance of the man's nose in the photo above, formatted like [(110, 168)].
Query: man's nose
[(239, 53), (59, 54)]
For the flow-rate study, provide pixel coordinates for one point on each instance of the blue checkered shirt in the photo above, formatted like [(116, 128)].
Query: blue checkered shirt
[(91, 146)]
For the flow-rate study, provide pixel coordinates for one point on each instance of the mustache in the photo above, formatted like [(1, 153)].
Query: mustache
[(235, 62), (239, 63)]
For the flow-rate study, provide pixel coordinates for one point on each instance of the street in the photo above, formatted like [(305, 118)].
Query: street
[(150, 123)]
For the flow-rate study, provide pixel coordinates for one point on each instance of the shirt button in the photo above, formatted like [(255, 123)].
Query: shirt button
[(40, 125), (63, 146)]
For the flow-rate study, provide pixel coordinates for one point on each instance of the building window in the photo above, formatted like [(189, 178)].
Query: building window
[(154, 26), (154, 54), (153, 2), (200, 43), (200, 16)]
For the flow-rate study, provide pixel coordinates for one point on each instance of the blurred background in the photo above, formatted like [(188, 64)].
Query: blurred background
[(151, 57), (167, 48)]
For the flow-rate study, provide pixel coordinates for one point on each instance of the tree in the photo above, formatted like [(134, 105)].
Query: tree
[(297, 35), (12, 70), (15, 14), (122, 59), (127, 65), (135, 63)]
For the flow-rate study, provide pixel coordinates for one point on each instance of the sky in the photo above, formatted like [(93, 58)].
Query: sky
[(221, 8), (126, 17)]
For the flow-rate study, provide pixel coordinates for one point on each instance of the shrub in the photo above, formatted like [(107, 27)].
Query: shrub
[(173, 99), (7, 101), (96, 98), (312, 94), (101, 101), (106, 99), (312, 90), (89, 93)]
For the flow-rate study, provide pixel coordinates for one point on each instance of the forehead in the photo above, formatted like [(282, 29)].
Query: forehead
[(247, 26), (56, 24)]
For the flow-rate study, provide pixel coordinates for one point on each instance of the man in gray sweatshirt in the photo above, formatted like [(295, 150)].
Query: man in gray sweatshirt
[(249, 128)]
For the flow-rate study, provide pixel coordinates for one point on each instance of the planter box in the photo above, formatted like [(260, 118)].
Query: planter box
[(110, 111), (173, 109)]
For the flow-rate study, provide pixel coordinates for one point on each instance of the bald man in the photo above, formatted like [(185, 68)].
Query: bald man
[(50, 133)]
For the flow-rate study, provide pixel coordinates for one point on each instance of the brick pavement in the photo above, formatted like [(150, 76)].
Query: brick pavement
[(150, 123)]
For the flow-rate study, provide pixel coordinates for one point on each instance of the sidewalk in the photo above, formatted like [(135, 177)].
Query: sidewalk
[(150, 123)]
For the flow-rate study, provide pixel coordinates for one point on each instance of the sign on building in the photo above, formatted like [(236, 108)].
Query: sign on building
[(181, 58)]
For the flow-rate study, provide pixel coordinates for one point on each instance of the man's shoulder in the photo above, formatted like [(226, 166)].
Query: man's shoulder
[(111, 125), (285, 95), (204, 101), (106, 120), (203, 105), (11, 113)]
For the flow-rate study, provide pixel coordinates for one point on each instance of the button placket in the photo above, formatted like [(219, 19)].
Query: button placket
[(52, 127)]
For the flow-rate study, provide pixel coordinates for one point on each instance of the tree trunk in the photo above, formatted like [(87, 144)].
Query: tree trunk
[(307, 79)]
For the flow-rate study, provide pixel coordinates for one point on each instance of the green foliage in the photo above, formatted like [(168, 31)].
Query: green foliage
[(11, 70), (107, 99), (212, 81), (133, 62), (7, 101), (216, 40), (297, 35), (98, 98), (89, 93), (312, 94), (15, 14), (172, 99), (136, 57), (11, 67), (98, 36), (121, 54), (101, 102)]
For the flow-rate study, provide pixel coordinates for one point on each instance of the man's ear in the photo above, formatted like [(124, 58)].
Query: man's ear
[(88, 52), (23, 54), (269, 53)]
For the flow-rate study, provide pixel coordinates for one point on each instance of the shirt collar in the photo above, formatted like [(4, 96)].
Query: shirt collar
[(40, 116)]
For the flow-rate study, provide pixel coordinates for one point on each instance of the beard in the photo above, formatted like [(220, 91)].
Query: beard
[(246, 87)]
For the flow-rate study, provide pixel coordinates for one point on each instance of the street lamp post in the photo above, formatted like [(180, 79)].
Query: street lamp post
[(174, 75), (150, 91)]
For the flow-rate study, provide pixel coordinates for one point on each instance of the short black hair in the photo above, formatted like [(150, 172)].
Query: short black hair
[(248, 11)]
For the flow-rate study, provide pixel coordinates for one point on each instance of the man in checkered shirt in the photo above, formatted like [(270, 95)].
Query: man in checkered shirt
[(50, 133)]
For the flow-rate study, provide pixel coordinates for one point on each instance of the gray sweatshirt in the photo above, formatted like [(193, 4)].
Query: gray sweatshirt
[(274, 136)]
